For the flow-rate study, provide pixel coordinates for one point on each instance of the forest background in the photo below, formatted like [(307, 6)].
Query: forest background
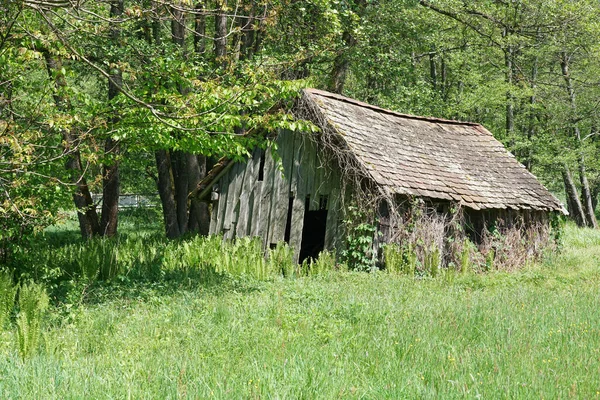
[(146, 95)]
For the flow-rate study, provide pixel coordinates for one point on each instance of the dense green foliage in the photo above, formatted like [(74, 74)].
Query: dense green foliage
[(334, 334), (104, 85)]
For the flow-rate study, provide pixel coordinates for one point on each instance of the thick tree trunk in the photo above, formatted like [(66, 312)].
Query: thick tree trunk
[(444, 73), (199, 217), (89, 225), (573, 204), (179, 172), (341, 64), (433, 70), (586, 193), (111, 183), (510, 108), (200, 29), (178, 27), (247, 50), (165, 191), (221, 33), (180, 179)]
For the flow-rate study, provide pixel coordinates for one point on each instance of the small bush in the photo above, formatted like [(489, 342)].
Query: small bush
[(359, 251)]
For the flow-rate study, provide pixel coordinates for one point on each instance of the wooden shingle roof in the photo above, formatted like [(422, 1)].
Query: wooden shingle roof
[(431, 157)]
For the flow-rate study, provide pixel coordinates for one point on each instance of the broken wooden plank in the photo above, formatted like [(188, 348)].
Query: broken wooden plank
[(213, 216), (222, 202), (236, 178), (333, 205), (245, 208), (298, 189), (281, 192), (317, 172), (265, 198), (308, 166)]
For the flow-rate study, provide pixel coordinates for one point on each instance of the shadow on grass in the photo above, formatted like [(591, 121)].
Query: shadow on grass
[(73, 270), (126, 289)]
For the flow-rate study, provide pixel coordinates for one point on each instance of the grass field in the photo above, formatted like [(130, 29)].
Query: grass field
[(530, 334)]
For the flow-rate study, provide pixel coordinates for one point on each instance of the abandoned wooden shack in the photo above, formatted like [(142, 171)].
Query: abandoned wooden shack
[(395, 156)]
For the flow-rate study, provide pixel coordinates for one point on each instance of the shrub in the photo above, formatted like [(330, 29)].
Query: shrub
[(359, 251)]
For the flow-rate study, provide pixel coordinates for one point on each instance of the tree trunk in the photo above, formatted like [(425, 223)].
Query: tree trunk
[(165, 191), (586, 193), (111, 184), (341, 64), (178, 27), (179, 172), (200, 29), (510, 108), (180, 180), (247, 50), (433, 70), (221, 33), (89, 225), (573, 204), (199, 217)]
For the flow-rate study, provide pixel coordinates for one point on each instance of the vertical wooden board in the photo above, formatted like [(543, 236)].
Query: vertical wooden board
[(228, 207), (233, 200), (248, 184), (345, 193), (213, 218), (265, 198), (332, 216), (220, 211), (256, 209), (318, 180), (309, 167), (281, 185), (298, 188), (295, 177)]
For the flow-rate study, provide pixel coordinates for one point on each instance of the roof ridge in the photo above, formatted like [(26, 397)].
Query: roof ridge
[(386, 111)]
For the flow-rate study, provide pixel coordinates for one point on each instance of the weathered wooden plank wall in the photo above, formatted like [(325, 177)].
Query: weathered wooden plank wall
[(247, 206)]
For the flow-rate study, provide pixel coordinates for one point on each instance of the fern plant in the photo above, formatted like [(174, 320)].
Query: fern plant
[(33, 303)]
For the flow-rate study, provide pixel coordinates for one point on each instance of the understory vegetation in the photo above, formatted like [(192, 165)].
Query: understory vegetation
[(137, 316)]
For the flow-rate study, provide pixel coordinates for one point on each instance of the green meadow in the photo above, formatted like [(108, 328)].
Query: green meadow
[(197, 319)]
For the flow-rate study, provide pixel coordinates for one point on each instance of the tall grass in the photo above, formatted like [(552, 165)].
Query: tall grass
[(526, 334), (533, 333)]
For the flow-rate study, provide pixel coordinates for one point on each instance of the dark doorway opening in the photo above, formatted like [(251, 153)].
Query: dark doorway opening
[(313, 232)]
